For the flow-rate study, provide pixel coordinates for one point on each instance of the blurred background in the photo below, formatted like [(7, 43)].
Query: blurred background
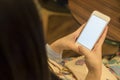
[(59, 21)]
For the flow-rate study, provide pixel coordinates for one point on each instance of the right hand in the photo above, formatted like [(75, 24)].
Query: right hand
[(93, 58)]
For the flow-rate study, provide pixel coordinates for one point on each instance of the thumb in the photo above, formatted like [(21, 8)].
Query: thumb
[(83, 50)]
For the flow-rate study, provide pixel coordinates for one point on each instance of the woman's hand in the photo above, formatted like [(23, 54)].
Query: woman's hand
[(67, 42), (93, 58)]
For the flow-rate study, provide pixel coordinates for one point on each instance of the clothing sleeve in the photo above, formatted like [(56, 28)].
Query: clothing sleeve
[(57, 57)]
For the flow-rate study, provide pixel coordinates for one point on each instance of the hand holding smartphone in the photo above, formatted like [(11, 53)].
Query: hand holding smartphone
[(93, 29)]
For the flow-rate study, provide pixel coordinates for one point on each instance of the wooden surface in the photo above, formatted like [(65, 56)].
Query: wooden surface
[(81, 10)]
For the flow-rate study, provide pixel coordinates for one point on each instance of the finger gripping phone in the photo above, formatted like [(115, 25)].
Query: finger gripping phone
[(93, 29)]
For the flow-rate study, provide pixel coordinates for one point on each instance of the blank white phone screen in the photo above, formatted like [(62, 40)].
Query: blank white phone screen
[(92, 32)]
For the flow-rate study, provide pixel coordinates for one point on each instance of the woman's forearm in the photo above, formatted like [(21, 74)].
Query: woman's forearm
[(53, 55), (93, 76), (57, 47)]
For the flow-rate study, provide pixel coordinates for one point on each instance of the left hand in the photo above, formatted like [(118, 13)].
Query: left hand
[(67, 42)]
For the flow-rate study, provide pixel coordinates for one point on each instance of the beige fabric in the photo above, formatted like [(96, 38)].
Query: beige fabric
[(71, 71), (60, 70), (80, 71)]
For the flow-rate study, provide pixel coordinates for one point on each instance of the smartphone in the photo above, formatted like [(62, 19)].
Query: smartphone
[(93, 29)]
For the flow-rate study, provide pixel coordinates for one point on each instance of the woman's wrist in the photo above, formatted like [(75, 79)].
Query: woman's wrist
[(57, 46), (53, 55)]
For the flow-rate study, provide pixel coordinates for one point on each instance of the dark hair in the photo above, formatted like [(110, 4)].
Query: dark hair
[(22, 45)]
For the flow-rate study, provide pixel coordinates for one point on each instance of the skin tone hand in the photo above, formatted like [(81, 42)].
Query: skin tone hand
[(93, 58), (67, 42)]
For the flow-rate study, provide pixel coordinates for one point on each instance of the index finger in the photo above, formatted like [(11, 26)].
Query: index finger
[(77, 32), (102, 38)]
